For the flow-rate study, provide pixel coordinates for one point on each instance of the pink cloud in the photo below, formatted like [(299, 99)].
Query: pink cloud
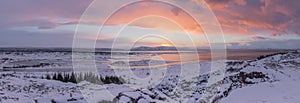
[(30, 12), (150, 8), (253, 16)]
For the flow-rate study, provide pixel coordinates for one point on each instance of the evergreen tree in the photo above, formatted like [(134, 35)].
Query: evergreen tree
[(54, 76), (60, 77), (48, 77), (66, 77), (72, 78), (79, 77)]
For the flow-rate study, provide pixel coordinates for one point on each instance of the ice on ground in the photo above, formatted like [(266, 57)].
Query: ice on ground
[(273, 79)]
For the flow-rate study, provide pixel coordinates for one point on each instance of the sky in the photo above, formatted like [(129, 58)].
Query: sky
[(246, 24)]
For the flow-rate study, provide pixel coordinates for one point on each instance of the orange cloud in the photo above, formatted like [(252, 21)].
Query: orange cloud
[(131, 12)]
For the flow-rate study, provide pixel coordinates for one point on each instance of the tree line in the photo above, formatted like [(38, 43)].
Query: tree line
[(78, 77)]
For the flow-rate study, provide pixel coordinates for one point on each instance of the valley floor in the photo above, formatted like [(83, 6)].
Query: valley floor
[(270, 79)]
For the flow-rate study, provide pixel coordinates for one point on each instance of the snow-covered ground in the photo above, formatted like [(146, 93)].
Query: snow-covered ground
[(273, 79)]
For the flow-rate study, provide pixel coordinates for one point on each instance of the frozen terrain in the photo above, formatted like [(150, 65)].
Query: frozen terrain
[(268, 79)]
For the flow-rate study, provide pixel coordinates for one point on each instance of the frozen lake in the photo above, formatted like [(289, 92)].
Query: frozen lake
[(61, 59)]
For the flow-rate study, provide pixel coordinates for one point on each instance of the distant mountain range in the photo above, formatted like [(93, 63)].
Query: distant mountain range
[(141, 48), (145, 48)]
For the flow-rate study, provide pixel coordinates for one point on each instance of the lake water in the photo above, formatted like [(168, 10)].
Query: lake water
[(62, 60), (173, 57)]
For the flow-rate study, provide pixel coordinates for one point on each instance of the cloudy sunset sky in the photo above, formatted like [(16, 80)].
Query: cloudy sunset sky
[(246, 24)]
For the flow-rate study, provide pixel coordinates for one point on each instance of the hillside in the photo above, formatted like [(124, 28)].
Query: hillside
[(268, 79)]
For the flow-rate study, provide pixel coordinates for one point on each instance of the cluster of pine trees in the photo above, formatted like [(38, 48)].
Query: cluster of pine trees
[(90, 77)]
